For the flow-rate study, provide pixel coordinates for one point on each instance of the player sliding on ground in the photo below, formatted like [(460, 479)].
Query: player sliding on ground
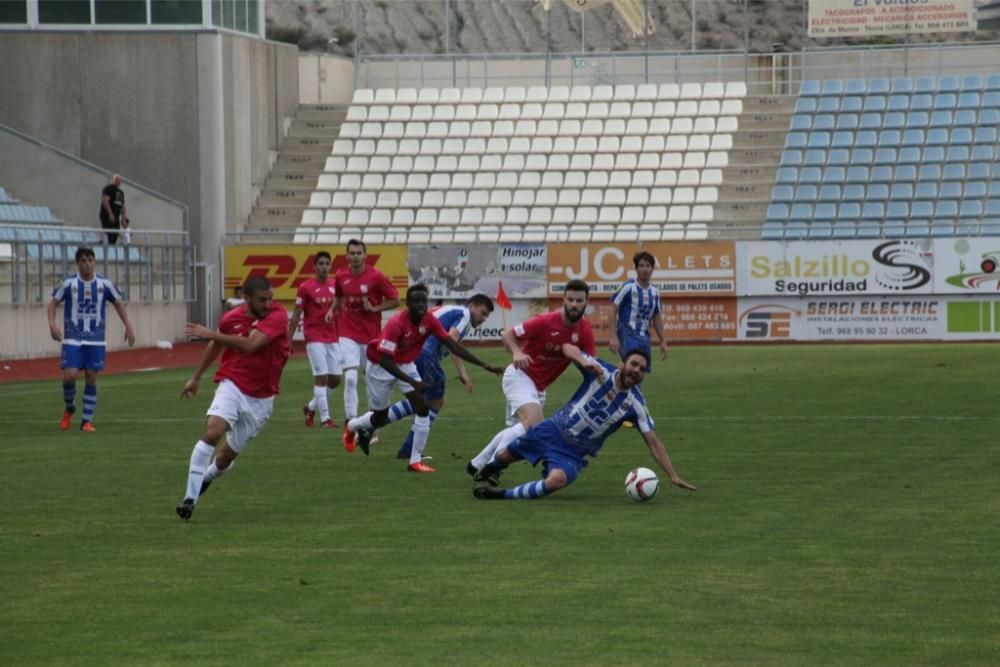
[(391, 358), (536, 347), (253, 340), (608, 397)]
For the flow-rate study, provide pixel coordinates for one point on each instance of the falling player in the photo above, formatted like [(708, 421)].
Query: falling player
[(608, 397), (84, 298), (536, 347), (363, 293), (392, 358), (312, 301), (254, 343)]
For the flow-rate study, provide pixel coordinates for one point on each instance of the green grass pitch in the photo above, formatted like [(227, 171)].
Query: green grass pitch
[(847, 514)]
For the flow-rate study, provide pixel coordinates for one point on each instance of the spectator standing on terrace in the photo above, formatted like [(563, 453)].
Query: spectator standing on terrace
[(112, 212)]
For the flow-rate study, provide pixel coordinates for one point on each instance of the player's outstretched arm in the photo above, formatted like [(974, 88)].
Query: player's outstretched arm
[(54, 329), (247, 344), (659, 454), (123, 315), (463, 374), (586, 364), (613, 343), (461, 351), (520, 359), (208, 358)]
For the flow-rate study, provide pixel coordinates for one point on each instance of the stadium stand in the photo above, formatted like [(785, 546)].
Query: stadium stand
[(907, 157), (37, 232), (527, 164)]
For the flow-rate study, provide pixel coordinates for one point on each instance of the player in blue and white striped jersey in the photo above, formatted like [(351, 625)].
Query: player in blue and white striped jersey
[(457, 321), (637, 305), (608, 397), (84, 298)]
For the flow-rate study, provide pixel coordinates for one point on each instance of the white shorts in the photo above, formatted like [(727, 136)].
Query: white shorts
[(324, 358), (352, 353), (245, 415), (379, 383), (519, 389)]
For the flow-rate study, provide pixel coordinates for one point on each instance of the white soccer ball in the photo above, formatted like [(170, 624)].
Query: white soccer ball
[(641, 484)]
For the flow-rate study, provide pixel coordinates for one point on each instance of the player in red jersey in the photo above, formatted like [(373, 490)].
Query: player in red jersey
[(363, 292), (253, 340), (538, 359), (312, 301), (392, 356)]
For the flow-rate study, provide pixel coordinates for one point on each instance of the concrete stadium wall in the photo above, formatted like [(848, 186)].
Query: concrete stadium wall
[(72, 189), (196, 116), (325, 79), (24, 330)]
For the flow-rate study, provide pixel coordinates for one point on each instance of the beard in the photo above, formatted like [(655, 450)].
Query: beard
[(573, 315)]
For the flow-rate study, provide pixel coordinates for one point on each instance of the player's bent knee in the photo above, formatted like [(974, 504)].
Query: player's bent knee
[(332, 381), (224, 456), (530, 414), (556, 480), (320, 380)]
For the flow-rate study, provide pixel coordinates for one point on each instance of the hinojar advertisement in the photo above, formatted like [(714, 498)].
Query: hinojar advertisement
[(839, 268), (288, 266), (967, 265), (702, 268), (841, 318)]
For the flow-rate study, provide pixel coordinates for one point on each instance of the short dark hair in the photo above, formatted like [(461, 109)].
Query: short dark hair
[(642, 353), (84, 251), (256, 284), (321, 254), (576, 285), (419, 287), (643, 255), (480, 300), (359, 242)]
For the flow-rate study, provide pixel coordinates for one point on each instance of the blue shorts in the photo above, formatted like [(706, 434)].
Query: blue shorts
[(86, 357), (631, 341), (429, 367), (545, 443)]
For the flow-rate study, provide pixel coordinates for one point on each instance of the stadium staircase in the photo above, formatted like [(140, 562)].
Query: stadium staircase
[(296, 171)]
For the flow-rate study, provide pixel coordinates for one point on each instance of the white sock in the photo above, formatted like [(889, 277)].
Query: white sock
[(319, 397), (201, 456), (364, 422), (351, 393), (214, 472), (499, 441), (312, 404), (421, 429)]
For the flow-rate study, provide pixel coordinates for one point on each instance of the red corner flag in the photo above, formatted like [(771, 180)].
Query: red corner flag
[(502, 301)]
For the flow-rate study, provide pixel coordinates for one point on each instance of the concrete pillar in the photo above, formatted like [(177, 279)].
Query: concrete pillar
[(212, 164)]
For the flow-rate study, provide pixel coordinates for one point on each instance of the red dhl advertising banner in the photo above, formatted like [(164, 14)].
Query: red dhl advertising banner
[(288, 266)]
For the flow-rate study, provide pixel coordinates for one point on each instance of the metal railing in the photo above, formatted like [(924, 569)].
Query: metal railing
[(156, 266)]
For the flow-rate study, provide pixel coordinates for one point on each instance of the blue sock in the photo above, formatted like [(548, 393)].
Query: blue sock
[(398, 410), (69, 395), (89, 401), (407, 448), (527, 490)]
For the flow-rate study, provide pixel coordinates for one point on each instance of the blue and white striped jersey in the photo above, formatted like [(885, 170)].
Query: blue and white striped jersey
[(636, 307), (450, 317), (84, 319), (597, 410)]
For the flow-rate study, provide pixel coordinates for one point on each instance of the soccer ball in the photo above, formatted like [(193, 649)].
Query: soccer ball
[(641, 484)]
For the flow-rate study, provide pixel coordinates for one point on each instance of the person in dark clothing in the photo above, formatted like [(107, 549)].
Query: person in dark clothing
[(112, 213)]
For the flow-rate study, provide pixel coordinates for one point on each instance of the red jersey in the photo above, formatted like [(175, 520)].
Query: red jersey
[(315, 299), (542, 338), (256, 374), (403, 340), (354, 321)]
